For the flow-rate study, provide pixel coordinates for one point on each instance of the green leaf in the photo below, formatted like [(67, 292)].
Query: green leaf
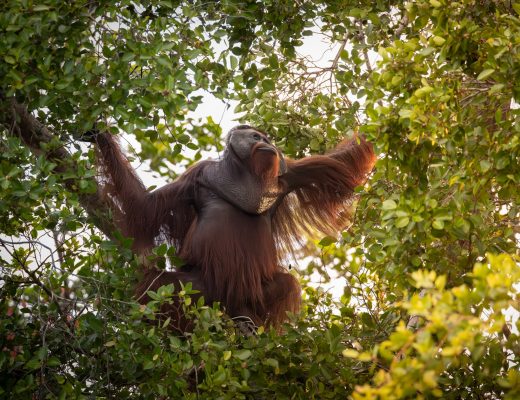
[(164, 61), (389, 204), (9, 59), (148, 364), (439, 41), (53, 362), (268, 85), (327, 241), (421, 92), (405, 113), (402, 222), (272, 362), (251, 83), (350, 353), (496, 88), (161, 250), (184, 139), (243, 354), (502, 162), (219, 377), (485, 74), (485, 165), (273, 61), (233, 62), (438, 224), (40, 7), (34, 363)]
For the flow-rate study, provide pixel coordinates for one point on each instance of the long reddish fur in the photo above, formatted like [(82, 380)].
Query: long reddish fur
[(240, 267)]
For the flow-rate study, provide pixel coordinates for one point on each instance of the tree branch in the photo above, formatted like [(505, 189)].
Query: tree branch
[(18, 121), (334, 64)]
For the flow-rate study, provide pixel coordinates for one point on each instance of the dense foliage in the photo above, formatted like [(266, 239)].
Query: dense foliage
[(431, 263)]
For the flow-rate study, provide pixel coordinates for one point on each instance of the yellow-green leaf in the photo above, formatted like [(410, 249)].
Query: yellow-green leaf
[(243, 354), (402, 222), (485, 74), (423, 91), (389, 204), (439, 41), (350, 353)]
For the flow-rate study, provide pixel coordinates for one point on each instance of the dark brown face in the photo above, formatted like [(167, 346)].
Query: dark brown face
[(253, 146), (243, 138)]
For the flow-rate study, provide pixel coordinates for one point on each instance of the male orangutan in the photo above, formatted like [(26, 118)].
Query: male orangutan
[(231, 220)]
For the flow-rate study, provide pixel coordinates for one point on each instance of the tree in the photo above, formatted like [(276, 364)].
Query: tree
[(431, 262)]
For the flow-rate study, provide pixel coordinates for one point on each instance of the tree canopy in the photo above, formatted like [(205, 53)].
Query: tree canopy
[(431, 264)]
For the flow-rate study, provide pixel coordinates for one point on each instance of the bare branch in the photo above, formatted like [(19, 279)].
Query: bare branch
[(338, 55), (402, 25)]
